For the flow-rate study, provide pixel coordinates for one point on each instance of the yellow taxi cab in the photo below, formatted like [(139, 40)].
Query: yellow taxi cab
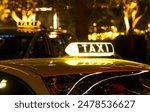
[(75, 76), (25, 41)]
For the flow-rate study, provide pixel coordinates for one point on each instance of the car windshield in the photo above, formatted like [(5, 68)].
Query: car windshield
[(100, 83), (13, 46)]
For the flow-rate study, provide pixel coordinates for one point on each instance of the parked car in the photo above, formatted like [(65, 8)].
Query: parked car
[(33, 43), (74, 76)]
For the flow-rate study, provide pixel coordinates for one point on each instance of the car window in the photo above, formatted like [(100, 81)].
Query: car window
[(39, 49), (115, 83), (123, 85), (11, 85), (58, 47), (13, 46), (59, 43)]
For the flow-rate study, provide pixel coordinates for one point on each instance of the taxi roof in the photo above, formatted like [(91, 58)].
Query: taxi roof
[(63, 66)]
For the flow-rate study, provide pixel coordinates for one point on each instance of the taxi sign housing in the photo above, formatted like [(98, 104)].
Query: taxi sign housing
[(90, 49)]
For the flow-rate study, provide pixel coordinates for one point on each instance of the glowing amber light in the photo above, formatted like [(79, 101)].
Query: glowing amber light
[(3, 83), (55, 21), (89, 62), (29, 24), (102, 36)]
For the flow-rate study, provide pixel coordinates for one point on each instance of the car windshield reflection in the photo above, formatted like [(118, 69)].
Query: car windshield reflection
[(124, 83)]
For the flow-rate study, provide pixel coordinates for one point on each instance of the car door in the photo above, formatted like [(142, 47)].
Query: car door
[(11, 85)]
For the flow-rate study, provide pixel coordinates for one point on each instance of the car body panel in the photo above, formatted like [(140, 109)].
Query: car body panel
[(60, 66), (40, 73), (38, 86)]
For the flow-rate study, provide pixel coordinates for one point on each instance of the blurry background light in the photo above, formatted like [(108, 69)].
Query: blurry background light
[(3, 83)]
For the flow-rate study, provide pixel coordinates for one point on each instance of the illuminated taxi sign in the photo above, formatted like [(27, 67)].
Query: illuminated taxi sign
[(29, 24), (90, 49)]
